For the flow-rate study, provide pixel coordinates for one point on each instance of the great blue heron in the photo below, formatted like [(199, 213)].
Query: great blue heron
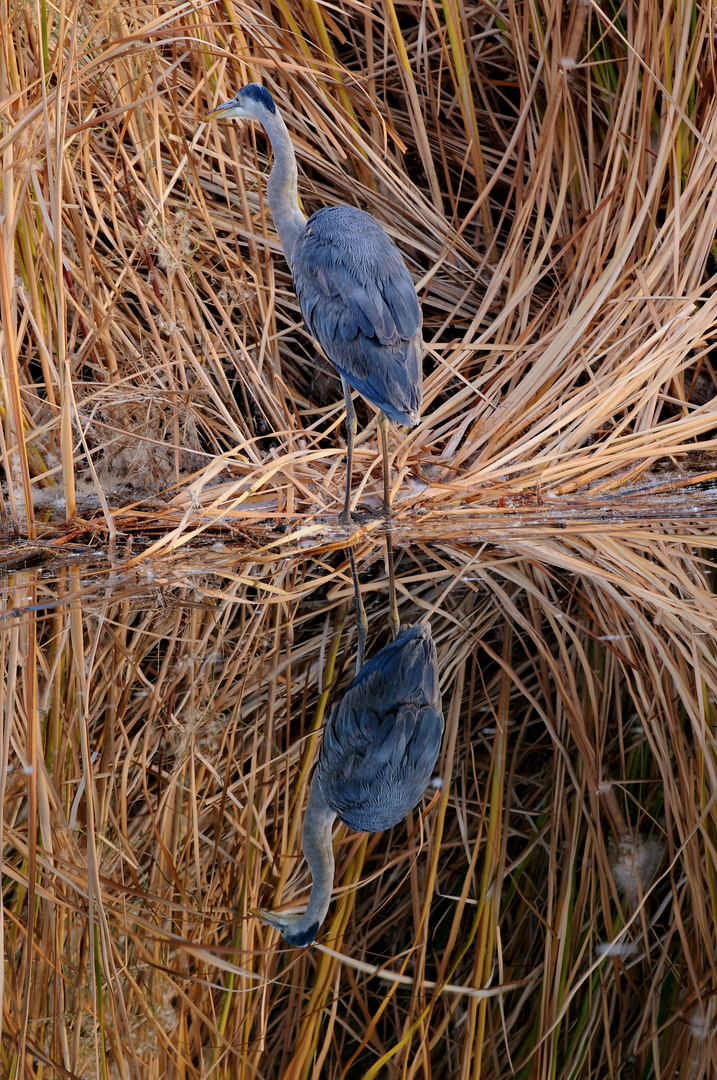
[(355, 293), (381, 742)]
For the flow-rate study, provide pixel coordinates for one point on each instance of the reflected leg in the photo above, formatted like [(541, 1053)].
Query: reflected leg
[(361, 620), (393, 620), (350, 436)]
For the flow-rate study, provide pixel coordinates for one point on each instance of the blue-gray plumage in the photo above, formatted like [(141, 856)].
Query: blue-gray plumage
[(381, 740), (360, 304), (380, 746), (354, 291)]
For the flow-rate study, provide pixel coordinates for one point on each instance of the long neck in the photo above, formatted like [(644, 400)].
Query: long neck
[(319, 854), (282, 186)]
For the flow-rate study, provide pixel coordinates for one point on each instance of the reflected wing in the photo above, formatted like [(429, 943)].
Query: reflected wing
[(382, 738), (373, 770), (359, 303)]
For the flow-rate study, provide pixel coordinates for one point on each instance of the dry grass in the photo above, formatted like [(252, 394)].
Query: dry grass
[(553, 191), (577, 815), (550, 172)]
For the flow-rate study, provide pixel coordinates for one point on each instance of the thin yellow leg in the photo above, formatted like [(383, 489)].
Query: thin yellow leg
[(350, 436), (361, 620), (393, 619), (383, 433)]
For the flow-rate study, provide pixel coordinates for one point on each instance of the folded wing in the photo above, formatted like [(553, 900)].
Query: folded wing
[(360, 304)]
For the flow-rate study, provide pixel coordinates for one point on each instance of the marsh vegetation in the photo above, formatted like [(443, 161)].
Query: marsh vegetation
[(176, 599)]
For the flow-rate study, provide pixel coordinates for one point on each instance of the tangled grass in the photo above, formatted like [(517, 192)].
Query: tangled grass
[(548, 911), (549, 172), (552, 185)]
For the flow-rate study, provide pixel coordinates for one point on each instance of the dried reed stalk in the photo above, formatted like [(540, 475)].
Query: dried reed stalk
[(550, 173), (158, 745)]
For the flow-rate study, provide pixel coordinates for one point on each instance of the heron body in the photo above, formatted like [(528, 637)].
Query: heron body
[(355, 293), (380, 746), (359, 303)]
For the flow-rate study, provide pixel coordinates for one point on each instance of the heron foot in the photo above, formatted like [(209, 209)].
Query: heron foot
[(360, 517), (356, 517)]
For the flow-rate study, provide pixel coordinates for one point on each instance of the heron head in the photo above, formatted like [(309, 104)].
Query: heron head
[(291, 927), (252, 102)]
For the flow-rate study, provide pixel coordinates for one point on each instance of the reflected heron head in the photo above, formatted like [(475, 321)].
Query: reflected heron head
[(291, 927)]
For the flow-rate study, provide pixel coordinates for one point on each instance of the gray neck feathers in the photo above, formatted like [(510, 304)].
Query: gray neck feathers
[(282, 186), (316, 841)]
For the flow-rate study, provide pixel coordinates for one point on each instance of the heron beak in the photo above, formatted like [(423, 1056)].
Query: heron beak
[(228, 111), (269, 918)]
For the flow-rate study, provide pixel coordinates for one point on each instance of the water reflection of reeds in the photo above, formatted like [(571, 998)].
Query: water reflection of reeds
[(549, 172), (161, 728)]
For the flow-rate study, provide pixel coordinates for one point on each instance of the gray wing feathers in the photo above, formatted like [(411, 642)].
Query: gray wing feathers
[(359, 303), (382, 739), (390, 746), (374, 790)]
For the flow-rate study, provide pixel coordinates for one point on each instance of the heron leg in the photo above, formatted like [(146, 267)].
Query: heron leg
[(393, 620), (361, 620), (383, 433), (350, 436)]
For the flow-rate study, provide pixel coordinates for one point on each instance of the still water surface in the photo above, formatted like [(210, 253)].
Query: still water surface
[(161, 715)]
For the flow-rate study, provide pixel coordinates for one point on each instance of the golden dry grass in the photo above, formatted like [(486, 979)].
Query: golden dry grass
[(553, 188), (157, 762), (549, 172)]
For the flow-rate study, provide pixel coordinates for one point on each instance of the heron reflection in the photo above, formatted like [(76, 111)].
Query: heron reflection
[(380, 745)]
